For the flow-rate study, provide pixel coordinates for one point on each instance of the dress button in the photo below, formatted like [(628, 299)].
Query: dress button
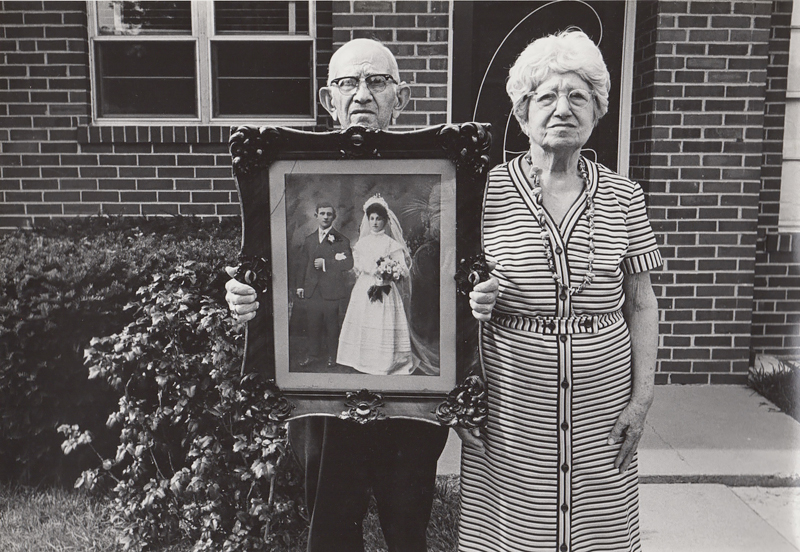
[(563, 296), (564, 508), (563, 338), (564, 468), (559, 251), (565, 384), (564, 548), (564, 426)]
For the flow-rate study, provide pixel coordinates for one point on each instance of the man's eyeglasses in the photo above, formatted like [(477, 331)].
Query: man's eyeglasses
[(375, 83), (576, 98)]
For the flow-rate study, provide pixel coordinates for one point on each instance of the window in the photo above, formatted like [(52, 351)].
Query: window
[(789, 218), (202, 62)]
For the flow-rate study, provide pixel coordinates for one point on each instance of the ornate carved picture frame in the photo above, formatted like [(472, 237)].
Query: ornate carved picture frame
[(359, 320)]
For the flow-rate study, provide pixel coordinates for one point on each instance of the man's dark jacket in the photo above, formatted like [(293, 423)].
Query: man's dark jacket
[(331, 282)]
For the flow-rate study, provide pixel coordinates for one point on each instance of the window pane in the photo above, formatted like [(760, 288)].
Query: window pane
[(146, 79), (261, 17), (263, 78), (136, 18)]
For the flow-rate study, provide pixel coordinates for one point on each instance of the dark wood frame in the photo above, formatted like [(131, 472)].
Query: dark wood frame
[(254, 150)]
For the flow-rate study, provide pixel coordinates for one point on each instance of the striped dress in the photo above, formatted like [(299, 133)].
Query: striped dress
[(558, 371)]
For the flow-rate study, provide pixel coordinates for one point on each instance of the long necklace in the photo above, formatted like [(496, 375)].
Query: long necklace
[(536, 187)]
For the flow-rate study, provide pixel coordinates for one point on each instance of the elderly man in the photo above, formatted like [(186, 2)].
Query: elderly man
[(343, 460)]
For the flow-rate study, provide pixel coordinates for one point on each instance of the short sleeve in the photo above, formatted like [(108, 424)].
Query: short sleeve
[(643, 253)]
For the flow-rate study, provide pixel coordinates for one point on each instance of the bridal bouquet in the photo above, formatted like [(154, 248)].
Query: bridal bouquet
[(387, 271)]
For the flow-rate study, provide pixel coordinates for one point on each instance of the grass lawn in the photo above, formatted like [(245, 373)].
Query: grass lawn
[(61, 520), (779, 381), (58, 520)]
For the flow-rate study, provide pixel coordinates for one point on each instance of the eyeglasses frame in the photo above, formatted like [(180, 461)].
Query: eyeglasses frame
[(528, 95), (335, 82)]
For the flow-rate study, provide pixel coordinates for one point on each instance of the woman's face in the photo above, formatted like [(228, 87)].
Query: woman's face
[(557, 120), (376, 222)]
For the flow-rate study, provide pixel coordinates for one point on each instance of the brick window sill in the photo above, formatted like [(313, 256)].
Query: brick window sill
[(161, 134)]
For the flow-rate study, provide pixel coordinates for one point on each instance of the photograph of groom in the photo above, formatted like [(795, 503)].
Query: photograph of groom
[(321, 288)]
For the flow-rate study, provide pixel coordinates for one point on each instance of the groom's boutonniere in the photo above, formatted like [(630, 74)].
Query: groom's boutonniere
[(331, 238)]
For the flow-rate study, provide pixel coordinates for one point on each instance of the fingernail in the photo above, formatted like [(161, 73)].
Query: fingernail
[(611, 441)]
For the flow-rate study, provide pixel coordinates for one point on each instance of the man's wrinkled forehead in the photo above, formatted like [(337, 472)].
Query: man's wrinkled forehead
[(359, 70)]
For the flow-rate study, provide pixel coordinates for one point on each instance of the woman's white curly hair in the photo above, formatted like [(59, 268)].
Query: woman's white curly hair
[(568, 51)]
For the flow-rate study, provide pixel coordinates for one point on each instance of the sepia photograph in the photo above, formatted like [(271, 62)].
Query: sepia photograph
[(366, 286)]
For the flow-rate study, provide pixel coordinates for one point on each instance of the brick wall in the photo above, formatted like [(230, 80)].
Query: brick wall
[(417, 33), (696, 148), (43, 98), (53, 163), (776, 319), (707, 114)]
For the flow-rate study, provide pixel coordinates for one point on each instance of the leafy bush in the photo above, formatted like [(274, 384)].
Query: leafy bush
[(199, 457), (60, 286)]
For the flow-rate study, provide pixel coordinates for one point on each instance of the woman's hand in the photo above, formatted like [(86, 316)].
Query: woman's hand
[(241, 298), (628, 428), (483, 297), (471, 438)]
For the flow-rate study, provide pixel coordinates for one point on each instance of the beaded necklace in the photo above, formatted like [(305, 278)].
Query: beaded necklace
[(536, 187)]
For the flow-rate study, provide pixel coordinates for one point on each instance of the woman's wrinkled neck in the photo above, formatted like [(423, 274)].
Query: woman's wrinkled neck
[(555, 162)]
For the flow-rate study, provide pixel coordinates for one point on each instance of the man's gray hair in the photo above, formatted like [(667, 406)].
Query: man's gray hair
[(358, 43)]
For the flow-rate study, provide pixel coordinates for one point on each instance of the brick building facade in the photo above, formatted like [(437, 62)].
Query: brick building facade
[(706, 142)]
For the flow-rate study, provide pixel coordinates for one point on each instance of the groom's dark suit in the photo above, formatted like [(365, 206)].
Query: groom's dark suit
[(324, 289)]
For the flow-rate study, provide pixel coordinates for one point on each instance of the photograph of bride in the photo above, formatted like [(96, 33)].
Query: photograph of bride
[(374, 338)]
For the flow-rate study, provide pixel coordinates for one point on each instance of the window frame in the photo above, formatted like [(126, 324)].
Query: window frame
[(203, 36), (789, 207)]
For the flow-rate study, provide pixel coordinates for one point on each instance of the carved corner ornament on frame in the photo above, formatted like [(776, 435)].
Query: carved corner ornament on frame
[(466, 146)]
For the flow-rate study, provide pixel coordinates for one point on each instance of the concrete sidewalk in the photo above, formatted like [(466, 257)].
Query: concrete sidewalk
[(710, 433), (719, 469)]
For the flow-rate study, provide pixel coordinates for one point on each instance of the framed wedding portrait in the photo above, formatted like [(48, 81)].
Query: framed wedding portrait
[(352, 240)]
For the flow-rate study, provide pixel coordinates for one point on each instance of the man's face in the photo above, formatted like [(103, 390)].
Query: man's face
[(363, 106), (325, 216)]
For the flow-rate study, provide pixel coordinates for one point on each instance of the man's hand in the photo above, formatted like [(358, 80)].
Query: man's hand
[(319, 263), (301, 293), (471, 438), (241, 298), (628, 428)]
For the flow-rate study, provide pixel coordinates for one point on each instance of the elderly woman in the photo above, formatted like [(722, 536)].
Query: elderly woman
[(569, 342)]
